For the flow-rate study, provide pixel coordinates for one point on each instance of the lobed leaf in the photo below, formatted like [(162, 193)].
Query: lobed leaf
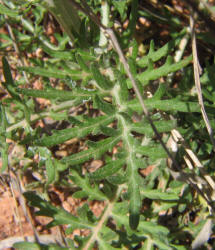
[(92, 192), (157, 234), (163, 70), (107, 170), (161, 52), (145, 128), (80, 131), (59, 215), (95, 152)]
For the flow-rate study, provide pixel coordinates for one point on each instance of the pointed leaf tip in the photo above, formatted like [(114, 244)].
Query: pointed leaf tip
[(134, 221), (6, 71)]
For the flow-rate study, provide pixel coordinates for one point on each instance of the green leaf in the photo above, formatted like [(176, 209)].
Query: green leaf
[(158, 195), (135, 50), (9, 83), (37, 246), (153, 228), (161, 52), (58, 116), (121, 90), (117, 179), (109, 131), (153, 151), (163, 70), (132, 66), (65, 55), (80, 195), (165, 105), (157, 233), (66, 15), (107, 170), (85, 213), (160, 91), (162, 244), (92, 192), (58, 94), (86, 54), (10, 86), (95, 152), (4, 145), (9, 12), (50, 171), (128, 33), (121, 7), (103, 105), (55, 72), (102, 82), (103, 245), (3, 120), (209, 75), (59, 215), (135, 200), (27, 246), (51, 168), (69, 133), (81, 63), (4, 156), (145, 128)]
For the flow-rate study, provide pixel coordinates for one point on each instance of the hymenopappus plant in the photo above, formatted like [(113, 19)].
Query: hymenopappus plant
[(101, 83)]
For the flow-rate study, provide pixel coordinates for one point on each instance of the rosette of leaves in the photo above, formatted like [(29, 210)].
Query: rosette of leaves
[(118, 182), (100, 83)]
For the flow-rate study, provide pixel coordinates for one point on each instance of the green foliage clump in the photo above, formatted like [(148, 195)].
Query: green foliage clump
[(92, 99)]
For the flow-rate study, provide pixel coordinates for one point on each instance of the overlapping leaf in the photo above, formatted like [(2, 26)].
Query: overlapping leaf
[(92, 192), (66, 134), (93, 153)]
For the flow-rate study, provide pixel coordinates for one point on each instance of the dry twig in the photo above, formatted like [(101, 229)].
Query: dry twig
[(197, 72)]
